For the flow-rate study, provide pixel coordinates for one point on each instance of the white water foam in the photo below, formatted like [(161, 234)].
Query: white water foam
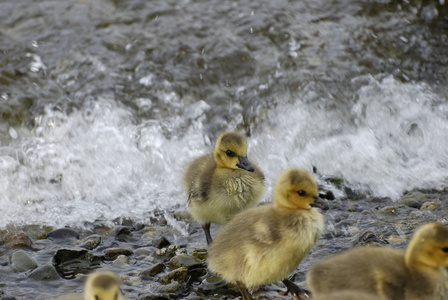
[(99, 164)]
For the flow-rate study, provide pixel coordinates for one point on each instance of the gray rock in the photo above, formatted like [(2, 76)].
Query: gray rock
[(45, 272), (122, 261), (152, 271), (213, 282), (62, 234), (414, 199), (112, 253), (91, 242), (185, 260), (21, 261)]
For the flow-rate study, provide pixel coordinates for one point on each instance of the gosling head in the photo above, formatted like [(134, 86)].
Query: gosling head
[(428, 247), (102, 285), (231, 152), (297, 189)]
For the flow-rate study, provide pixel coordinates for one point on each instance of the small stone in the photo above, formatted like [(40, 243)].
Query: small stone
[(46, 272), (369, 238), (388, 211), (185, 260), (154, 270), (17, 239), (180, 275), (200, 253), (431, 205), (63, 234), (143, 252), (182, 215), (69, 262), (112, 253), (91, 242), (21, 261)]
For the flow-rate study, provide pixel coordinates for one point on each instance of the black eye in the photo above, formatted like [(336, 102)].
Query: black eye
[(96, 297), (230, 153), (445, 249), (301, 193), (116, 295)]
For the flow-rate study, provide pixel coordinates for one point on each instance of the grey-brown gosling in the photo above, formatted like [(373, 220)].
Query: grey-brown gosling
[(101, 285), (222, 183), (416, 273), (348, 295), (264, 244)]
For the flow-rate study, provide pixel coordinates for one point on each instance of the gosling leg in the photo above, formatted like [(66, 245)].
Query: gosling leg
[(296, 292), (206, 228), (244, 291)]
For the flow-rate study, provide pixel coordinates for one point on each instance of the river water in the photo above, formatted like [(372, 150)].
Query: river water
[(104, 102)]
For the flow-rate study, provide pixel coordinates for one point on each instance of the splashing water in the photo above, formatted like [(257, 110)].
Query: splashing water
[(100, 164)]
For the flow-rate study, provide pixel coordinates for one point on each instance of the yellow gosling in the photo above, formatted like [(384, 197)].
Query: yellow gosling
[(222, 183), (416, 273), (101, 285), (264, 244)]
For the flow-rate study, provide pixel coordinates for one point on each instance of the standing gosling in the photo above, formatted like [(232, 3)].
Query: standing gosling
[(417, 273), (264, 244), (221, 184), (102, 285)]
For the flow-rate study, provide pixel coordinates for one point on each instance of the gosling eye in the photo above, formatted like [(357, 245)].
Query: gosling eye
[(230, 153), (116, 296), (445, 249), (96, 297), (301, 193)]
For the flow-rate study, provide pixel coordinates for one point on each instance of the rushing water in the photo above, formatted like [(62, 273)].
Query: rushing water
[(104, 102)]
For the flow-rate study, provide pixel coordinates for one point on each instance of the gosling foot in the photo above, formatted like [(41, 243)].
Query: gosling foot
[(244, 292), (296, 292)]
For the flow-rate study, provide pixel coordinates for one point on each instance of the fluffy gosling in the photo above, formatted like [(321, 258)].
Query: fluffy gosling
[(101, 285), (416, 273), (222, 183), (264, 244)]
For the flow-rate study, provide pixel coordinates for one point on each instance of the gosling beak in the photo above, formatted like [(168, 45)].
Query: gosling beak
[(318, 202), (245, 164)]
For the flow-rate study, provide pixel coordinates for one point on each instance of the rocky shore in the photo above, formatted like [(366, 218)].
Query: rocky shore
[(166, 259)]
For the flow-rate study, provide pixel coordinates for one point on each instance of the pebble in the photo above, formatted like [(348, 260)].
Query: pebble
[(185, 260), (122, 261), (431, 205), (90, 242), (414, 199), (153, 270), (179, 275)]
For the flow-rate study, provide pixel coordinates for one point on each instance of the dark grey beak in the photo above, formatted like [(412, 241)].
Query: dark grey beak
[(318, 202), (245, 164)]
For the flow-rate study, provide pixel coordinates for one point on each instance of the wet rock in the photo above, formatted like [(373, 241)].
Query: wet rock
[(21, 261), (179, 275), (160, 242), (91, 242), (122, 233), (152, 271), (122, 261), (166, 253), (414, 199), (212, 283), (200, 253), (431, 205), (71, 262), (142, 253), (46, 272), (185, 260), (63, 234), (148, 236), (17, 239), (112, 253), (388, 211)]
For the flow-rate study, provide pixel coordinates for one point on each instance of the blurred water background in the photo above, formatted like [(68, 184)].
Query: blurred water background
[(104, 102)]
